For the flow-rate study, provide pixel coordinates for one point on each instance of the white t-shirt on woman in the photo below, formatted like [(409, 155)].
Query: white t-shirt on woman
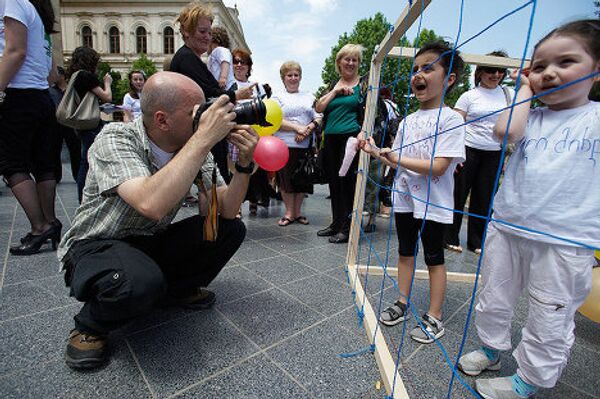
[(297, 108), (477, 103), (132, 105), (410, 188), (33, 74)]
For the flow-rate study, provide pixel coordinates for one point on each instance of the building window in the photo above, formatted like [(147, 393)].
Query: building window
[(114, 40), (141, 40), (169, 40), (86, 37)]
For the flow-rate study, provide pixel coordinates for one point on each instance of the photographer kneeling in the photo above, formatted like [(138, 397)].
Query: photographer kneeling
[(122, 255)]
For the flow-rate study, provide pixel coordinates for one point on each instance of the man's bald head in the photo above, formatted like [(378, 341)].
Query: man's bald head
[(166, 91)]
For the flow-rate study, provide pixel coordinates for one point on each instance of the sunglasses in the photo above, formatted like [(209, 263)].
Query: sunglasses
[(490, 70), (238, 61)]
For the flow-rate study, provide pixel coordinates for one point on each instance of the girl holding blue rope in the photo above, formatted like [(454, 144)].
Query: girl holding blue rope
[(425, 160), (551, 186)]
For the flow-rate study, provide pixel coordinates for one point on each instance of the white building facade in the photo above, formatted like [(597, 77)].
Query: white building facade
[(120, 31)]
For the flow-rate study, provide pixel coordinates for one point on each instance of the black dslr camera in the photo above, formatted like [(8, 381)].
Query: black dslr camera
[(252, 112)]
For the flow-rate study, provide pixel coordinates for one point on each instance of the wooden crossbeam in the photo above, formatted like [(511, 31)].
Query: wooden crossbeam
[(376, 270), (473, 59)]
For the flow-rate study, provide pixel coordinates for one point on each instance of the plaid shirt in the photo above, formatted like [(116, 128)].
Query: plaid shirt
[(121, 152)]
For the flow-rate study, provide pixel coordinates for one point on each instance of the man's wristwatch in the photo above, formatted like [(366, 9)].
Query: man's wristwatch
[(2, 96), (245, 169)]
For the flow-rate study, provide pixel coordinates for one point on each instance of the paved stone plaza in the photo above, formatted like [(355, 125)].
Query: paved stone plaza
[(283, 316)]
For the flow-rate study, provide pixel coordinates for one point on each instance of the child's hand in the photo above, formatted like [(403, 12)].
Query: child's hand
[(222, 82), (369, 146), (524, 77)]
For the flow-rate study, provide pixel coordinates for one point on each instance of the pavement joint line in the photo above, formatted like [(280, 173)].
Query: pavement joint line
[(23, 316), (5, 262), (140, 369)]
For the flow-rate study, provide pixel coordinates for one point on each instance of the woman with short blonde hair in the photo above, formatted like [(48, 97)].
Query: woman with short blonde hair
[(289, 66), (190, 15), (299, 122), (342, 112)]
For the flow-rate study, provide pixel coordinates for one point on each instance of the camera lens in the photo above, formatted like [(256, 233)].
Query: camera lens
[(251, 113)]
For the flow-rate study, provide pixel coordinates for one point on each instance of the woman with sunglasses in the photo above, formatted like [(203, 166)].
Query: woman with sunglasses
[(259, 189), (477, 174)]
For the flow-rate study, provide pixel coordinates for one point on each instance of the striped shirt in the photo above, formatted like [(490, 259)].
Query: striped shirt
[(121, 152)]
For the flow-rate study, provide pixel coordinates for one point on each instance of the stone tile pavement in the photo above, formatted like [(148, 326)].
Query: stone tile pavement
[(283, 316)]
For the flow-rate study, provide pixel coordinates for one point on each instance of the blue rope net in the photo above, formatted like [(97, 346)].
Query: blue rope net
[(373, 257)]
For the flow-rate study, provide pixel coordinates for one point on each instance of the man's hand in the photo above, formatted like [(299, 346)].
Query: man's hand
[(217, 121), (245, 139)]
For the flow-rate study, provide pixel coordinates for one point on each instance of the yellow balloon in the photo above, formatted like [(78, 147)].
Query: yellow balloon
[(591, 306), (274, 117)]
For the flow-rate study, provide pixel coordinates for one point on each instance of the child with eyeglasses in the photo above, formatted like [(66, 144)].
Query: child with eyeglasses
[(552, 188)]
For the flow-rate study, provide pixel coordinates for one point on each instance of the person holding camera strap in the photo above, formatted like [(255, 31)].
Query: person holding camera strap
[(122, 255)]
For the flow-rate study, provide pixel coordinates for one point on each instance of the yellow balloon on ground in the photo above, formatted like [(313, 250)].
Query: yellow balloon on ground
[(591, 306), (274, 117)]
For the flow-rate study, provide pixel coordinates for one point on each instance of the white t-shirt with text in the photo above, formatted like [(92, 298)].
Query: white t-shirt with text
[(410, 188), (477, 103), (34, 72), (552, 180)]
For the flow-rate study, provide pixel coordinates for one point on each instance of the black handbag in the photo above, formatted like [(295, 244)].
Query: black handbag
[(308, 171)]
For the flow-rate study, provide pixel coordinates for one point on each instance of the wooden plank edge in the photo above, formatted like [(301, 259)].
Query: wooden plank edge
[(385, 362), (473, 59), (376, 270)]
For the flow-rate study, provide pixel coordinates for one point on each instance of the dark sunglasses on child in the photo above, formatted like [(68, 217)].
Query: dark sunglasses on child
[(490, 70)]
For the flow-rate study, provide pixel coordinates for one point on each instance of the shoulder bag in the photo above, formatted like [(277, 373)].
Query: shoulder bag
[(77, 113)]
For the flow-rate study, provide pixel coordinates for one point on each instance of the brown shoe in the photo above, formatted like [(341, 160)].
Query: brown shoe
[(85, 351), (201, 298)]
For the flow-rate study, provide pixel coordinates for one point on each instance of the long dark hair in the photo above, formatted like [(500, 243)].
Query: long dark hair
[(85, 58), (132, 91), (46, 13)]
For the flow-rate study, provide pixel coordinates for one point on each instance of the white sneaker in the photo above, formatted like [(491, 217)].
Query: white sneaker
[(476, 362), (498, 388)]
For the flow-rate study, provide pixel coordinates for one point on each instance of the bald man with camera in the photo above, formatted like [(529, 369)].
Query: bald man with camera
[(123, 255)]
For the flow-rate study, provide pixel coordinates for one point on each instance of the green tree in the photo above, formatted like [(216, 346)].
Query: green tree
[(597, 4), (395, 73), (144, 64), (103, 69)]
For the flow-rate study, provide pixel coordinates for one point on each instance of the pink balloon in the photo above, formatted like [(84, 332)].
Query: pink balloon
[(271, 153)]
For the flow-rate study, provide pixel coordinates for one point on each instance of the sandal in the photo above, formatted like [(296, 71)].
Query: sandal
[(302, 220), (455, 248), (284, 221)]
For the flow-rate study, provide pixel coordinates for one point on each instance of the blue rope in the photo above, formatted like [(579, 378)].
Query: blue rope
[(491, 206)]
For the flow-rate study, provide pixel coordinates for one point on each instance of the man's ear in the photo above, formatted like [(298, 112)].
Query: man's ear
[(160, 120)]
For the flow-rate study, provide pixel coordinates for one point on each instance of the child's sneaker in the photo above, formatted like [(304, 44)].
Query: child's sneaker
[(499, 388), (434, 327), (476, 362), (394, 314)]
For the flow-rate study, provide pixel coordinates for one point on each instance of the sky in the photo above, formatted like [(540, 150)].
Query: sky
[(305, 30)]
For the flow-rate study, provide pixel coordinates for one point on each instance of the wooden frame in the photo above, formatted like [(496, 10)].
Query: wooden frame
[(387, 366)]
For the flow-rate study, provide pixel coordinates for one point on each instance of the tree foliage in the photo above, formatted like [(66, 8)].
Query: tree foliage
[(395, 73), (120, 84)]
